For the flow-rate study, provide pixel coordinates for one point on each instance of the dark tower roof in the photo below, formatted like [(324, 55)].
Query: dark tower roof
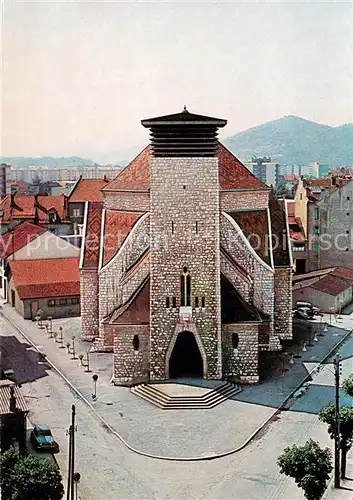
[(184, 118), (184, 134)]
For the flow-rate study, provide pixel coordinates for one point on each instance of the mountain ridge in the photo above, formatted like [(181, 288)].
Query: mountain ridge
[(295, 140)]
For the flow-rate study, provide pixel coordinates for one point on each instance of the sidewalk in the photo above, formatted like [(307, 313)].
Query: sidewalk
[(346, 490), (175, 434)]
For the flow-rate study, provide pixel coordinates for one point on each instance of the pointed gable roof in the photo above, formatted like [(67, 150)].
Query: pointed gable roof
[(21, 235), (87, 190), (134, 177), (233, 174), (117, 226)]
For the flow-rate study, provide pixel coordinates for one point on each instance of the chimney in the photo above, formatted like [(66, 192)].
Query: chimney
[(12, 399)]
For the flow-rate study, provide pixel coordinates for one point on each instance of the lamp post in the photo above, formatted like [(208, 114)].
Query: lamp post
[(76, 479), (61, 338), (73, 348), (85, 362), (50, 319), (94, 378), (54, 335), (68, 347)]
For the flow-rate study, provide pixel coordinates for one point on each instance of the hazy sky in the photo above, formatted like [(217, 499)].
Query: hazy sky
[(79, 76)]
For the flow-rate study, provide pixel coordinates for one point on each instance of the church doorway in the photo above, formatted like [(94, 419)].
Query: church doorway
[(186, 359)]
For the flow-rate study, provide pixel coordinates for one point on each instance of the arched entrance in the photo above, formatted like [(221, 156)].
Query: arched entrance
[(186, 359)]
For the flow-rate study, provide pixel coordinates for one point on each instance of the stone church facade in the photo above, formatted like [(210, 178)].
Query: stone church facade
[(185, 267)]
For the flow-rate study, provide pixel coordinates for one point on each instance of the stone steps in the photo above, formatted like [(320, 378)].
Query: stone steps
[(165, 401)]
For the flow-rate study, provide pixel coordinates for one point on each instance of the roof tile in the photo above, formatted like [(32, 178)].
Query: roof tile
[(46, 277), (87, 190), (24, 207)]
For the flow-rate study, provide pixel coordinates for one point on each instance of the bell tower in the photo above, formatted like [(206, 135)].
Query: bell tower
[(185, 321)]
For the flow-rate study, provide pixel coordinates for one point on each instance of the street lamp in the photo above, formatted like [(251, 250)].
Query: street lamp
[(50, 319), (68, 347), (76, 478), (61, 339), (73, 348), (85, 362), (94, 378)]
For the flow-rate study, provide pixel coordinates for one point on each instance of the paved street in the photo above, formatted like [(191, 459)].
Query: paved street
[(110, 471)]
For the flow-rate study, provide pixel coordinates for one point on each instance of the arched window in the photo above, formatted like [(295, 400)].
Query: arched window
[(167, 302), (185, 288), (203, 302), (235, 340), (174, 302), (136, 342), (196, 302)]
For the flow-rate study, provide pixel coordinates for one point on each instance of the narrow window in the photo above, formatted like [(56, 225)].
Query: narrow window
[(347, 249), (167, 303), (184, 187), (185, 288), (347, 231), (197, 227), (172, 227), (316, 213), (136, 342), (203, 302), (301, 196), (348, 198), (235, 340), (347, 213), (182, 290), (196, 302), (174, 302)]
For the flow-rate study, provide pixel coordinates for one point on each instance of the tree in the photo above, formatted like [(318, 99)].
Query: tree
[(309, 465), (348, 385), (29, 478), (327, 415)]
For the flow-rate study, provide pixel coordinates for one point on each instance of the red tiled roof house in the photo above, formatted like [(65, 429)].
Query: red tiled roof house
[(49, 285)]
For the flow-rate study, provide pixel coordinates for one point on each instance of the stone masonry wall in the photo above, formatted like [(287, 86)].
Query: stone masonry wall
[(283, 303), (110, 276), (131, 366), (133, 280), (89, 296), (241, 363), (125, 200), (185, 233), (241, 285), (263, 278), (241, 200)]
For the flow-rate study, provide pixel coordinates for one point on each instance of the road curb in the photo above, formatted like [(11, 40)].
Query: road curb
[(278, 410)]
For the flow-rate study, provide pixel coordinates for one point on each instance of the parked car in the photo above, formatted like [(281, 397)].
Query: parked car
[(42, 438), (314, 311)]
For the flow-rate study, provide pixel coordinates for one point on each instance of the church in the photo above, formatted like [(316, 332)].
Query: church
[(185, 266)]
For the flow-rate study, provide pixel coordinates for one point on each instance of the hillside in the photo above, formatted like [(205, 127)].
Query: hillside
[(294, 140), (45, 161)]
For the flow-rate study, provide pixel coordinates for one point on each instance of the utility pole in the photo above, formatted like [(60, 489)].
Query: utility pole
[(73, 414), (337, 420), (70, 493)]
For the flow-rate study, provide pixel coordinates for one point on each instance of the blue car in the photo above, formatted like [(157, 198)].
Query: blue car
[(42, 439)]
